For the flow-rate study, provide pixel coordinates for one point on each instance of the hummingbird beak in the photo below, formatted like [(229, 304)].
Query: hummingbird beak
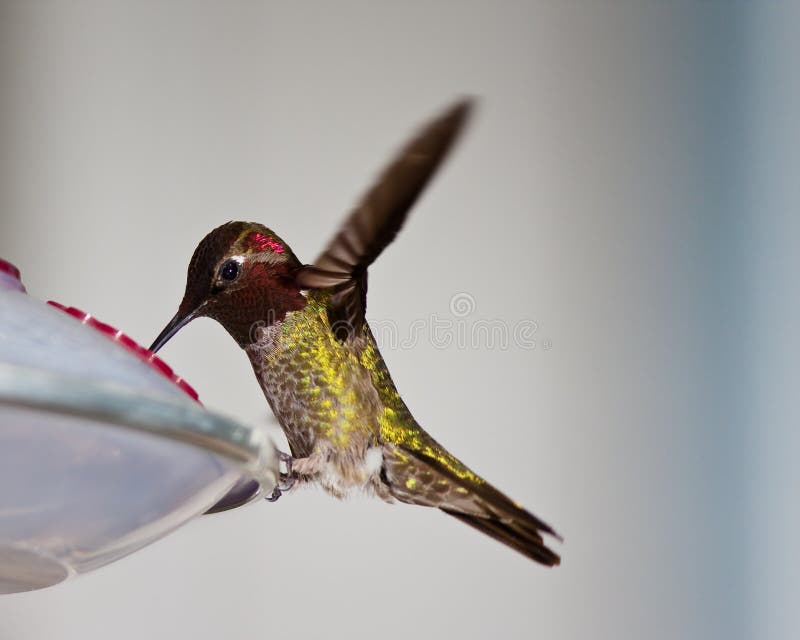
[(180, 320)]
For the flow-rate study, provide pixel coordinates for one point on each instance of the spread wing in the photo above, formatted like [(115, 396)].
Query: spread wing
[(373, 224)]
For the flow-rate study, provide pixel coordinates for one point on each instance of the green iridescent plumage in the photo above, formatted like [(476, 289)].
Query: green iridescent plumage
[(328, 377)]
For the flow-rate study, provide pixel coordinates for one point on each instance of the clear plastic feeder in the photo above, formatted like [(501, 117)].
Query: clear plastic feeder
[(103, 450)]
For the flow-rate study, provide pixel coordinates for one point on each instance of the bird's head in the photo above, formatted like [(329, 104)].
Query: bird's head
[(242, 276)]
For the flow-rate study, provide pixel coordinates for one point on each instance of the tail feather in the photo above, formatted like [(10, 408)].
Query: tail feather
[(434, 478), (524, 539)]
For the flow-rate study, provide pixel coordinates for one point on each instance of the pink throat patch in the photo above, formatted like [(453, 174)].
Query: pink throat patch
[(263, 243)]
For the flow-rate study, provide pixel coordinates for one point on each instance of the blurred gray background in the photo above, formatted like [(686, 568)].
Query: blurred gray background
[(629, 184)]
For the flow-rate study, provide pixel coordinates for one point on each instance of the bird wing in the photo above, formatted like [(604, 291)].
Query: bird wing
[(428, 475), (375, 221)]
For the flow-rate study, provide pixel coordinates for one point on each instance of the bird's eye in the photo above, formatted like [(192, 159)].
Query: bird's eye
[(229, 270)]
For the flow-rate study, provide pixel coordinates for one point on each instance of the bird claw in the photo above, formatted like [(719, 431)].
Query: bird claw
[(286, 480)]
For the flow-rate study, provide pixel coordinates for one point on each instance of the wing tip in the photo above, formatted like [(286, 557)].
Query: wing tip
[(462, 108), (457, 116)]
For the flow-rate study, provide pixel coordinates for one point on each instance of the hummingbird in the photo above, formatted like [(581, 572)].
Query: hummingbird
[(304, 329)]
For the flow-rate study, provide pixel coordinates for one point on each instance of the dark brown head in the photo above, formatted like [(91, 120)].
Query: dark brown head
[(241, 275)]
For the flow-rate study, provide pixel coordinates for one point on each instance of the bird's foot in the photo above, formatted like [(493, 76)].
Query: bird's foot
[(286, 480)]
